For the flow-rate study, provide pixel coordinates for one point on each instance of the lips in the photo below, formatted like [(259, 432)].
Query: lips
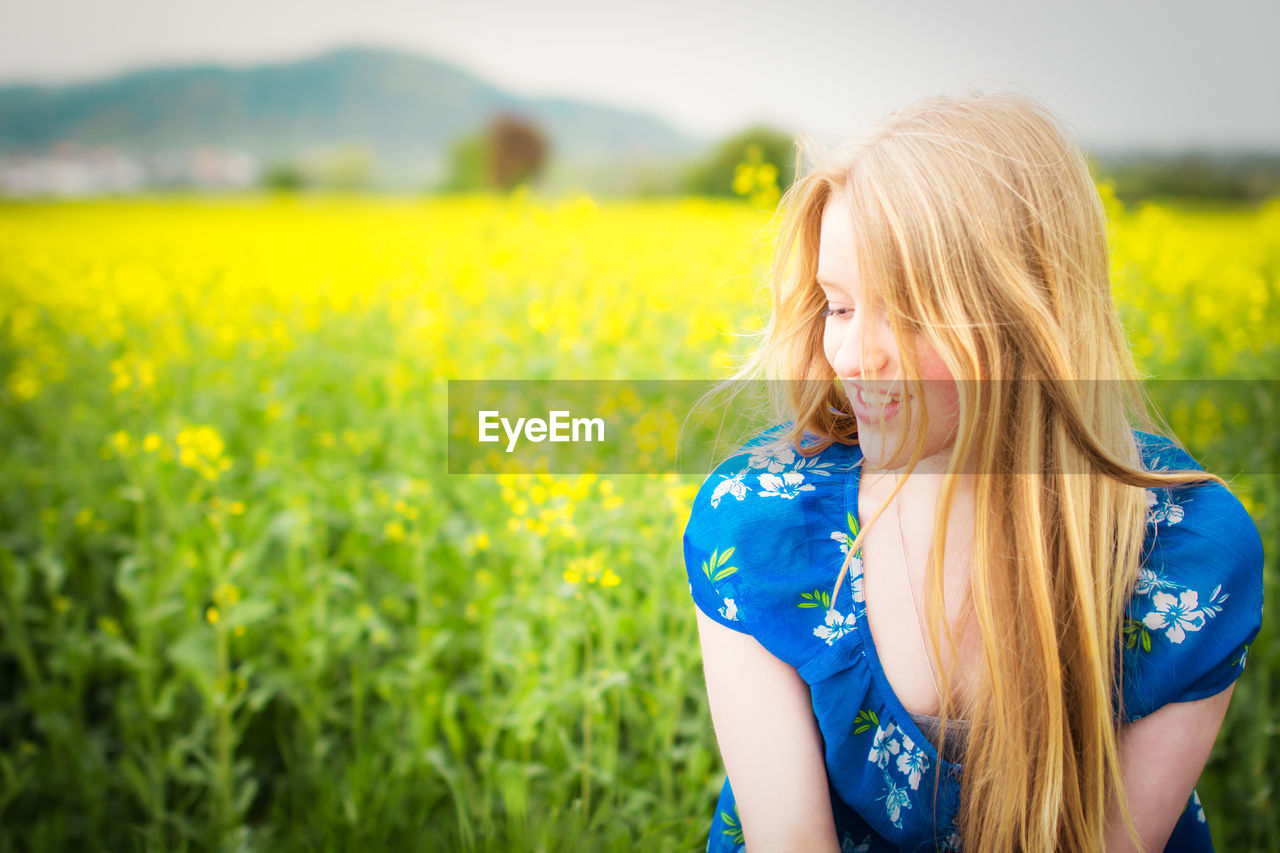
[(874, 407)]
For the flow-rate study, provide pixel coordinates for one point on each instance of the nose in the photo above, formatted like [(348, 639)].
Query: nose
[(862, 350)]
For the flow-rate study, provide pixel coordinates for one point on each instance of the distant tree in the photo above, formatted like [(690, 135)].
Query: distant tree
[(715, 175), (510, 151), (1230, 177), (468, 164), (517, 150), (283, 176)]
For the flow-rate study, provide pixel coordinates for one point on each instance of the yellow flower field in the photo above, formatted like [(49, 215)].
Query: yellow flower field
[(245, 606)]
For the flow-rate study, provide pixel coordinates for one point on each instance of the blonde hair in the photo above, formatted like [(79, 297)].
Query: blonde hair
[(979, 226)]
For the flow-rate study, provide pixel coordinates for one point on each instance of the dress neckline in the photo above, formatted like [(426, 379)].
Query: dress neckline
[(903, 719)]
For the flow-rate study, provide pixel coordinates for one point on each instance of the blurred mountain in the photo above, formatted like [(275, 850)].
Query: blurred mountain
[(403, 109)]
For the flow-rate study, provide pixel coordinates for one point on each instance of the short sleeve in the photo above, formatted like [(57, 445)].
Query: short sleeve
[(1197, 603), (725, 530)]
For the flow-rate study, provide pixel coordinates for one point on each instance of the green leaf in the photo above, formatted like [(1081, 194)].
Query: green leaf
[(1135, 631), (865, 720), (853, 524), (193, 653), (249, 611), (733, 826), (724, 573), (724, 558)]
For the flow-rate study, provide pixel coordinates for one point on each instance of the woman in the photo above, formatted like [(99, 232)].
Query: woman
[(962, 594)]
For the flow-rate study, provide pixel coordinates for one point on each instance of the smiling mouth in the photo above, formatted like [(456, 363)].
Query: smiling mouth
[(878, 398), (875, 407)]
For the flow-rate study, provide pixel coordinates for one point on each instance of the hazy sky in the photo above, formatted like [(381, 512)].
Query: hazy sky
[(1165, 74)]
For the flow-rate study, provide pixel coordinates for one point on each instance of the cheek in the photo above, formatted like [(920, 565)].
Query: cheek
[(941, 389), (932, 367), (830, 344)]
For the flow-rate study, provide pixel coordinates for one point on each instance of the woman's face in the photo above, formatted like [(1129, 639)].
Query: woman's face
[(859, 346)]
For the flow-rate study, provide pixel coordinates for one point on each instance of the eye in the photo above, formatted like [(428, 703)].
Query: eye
[(835, 312)]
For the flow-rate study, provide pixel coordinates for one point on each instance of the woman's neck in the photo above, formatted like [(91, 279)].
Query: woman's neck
[(925, 479)]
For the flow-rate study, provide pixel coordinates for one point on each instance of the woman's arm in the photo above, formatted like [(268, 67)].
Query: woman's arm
[(769, 740), (1161, 757)]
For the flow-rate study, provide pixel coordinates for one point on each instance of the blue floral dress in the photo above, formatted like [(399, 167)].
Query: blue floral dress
[(767, 536)]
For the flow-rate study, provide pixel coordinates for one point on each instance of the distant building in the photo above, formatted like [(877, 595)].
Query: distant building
[(70, 170)]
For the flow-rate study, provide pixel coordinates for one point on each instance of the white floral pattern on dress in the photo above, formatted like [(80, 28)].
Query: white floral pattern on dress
[(836, 626), (732, 486), (895, 801), (787, 486), (730, 610), (814, 465), (1175, 609), (913, 762), (855, 566), (893, 748), (1161, 507), (883, 745), (774, 458), (1176, 616), (1149, 582), (1195, 799)]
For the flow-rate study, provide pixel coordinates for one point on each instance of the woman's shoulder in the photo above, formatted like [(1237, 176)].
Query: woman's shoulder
[(769, 465), (765, 536), (1197, 602), (1204, 515)]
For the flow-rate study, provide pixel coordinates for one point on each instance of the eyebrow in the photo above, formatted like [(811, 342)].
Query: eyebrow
[(822, 282)]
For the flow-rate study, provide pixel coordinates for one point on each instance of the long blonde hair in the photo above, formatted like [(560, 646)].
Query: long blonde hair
[(979, 226)]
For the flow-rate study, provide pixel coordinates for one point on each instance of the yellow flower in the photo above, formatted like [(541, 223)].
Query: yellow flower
[(121, 442), (226, 594), (237, 507), (151, 443), (610, 579), (394, 531), (572, 576), (482, 541), (212, 615)]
